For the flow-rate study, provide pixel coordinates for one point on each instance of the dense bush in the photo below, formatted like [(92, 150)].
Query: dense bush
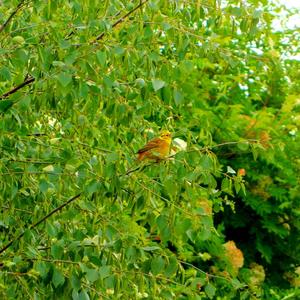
[(84, 85)]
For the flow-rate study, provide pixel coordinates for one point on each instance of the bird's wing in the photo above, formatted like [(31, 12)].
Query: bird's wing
[(150, 145)]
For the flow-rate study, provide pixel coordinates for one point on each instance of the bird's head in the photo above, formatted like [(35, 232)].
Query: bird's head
[(166, 135)]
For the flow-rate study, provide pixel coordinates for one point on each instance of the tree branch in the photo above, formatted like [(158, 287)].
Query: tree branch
[(19, 6), (40, 221), (26, 82), (100, 36)]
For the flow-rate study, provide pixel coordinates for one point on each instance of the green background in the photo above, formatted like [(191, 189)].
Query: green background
[(97, 79)]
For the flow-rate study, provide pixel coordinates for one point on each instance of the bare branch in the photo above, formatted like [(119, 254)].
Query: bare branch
[(40, 221), (14, 90), (19, 6), (122, 19)]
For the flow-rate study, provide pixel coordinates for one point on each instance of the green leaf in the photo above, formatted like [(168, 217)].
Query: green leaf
[(101, 57), (43, 185), (5, 74), (172, 267), (163, 226), (157, 265), (150, 248), (75, 281), (112, 157), (83, 295), (237, 186), (226, 185), (5, 105), (57, 251), (42, 268), (64, 78), (104, 271), (244, 146), (110, 282), (108, 82), (210, 290), (58, 278), (178, 97), (157, 84), (25, 102), (93, 186), (118, 50), (92, 275), (206, 162), (230, 170), (198, 283)]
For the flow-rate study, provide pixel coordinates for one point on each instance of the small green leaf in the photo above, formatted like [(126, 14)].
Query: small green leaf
[(110, 282), (226, 185), (157, 265), (5, 105), (92, 275), (112, 157), (150, 248), (198, 282), (64, 78), (157, 84), (210, 290), (108, 82), (42, 268), (5, 74), (237, 186), (178, 97), (58, 278), (93, 186), (51, 230), (118, 50), (75, 281), (25, 102), (104, 271), (18, 40), (206, 162), (230, 170), (43, 185), (244, 146), (57, 251), (140, 82), (172, 267), (49, 168), (101, 57), (83, 295)]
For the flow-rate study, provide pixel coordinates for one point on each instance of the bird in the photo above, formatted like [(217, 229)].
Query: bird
[(157, 148)]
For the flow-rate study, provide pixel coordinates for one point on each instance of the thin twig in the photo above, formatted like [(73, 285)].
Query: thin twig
[(95, 147), (32, 161), (40, 221), (26, 82), (60, 261), (100, 36), (203, 272), (19, 6), (248, 141), (169, 201), (18, 209), (206, 148)]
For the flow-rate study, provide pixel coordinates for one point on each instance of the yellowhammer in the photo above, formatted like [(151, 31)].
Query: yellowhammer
[(157, 148)]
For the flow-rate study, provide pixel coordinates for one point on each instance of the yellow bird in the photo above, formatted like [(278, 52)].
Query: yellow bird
[(157, 148)]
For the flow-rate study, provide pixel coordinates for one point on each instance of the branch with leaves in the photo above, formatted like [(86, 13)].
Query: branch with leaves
[(122, 19), (15, 11), (139, 168), (40, 221), (20, 86)]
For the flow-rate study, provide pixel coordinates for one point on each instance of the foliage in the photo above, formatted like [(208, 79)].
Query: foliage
[(84, 84)]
